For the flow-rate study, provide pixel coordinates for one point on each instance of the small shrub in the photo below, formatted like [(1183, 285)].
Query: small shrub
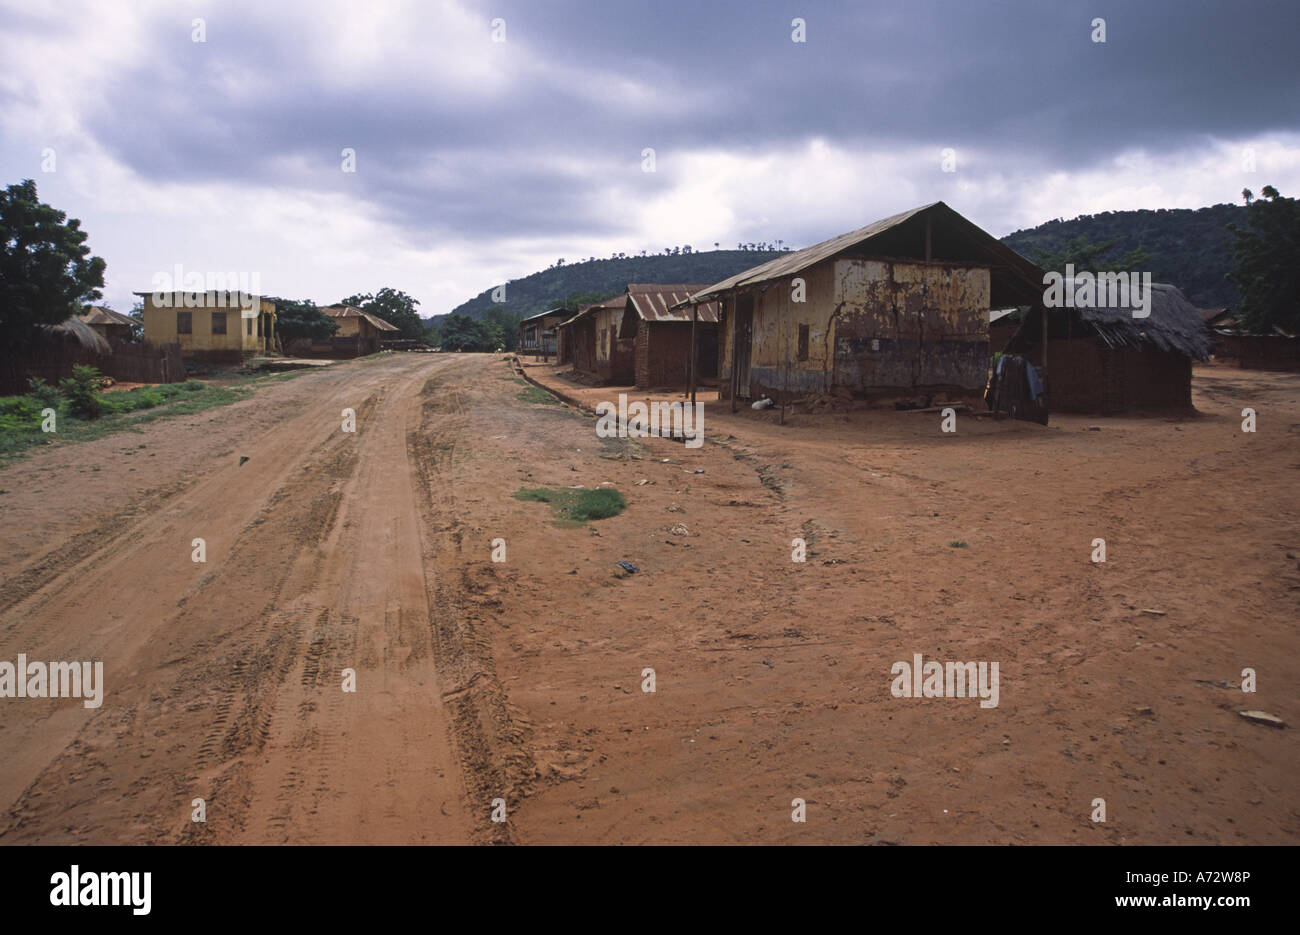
[(958, 544), (82, 392), (147, 398), (48, 396)]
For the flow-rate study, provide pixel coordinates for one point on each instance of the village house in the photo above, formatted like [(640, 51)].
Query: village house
[(111, 325), (590, 341), (1105, 360), (360, 333), (1252, 351), (537, 333), (662, 332), (895, 310), (211, 326)]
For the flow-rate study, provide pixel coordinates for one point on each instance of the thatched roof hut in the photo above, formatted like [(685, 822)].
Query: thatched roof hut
[(1106, 360), (74, 330)]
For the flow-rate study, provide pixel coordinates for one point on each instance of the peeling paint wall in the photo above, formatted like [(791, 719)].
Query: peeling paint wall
[(875, 327)]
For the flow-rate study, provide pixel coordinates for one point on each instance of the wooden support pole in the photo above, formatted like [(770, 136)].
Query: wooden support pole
[(695, 354)]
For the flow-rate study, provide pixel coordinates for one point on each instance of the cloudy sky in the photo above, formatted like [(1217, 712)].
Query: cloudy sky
[(479, 160)]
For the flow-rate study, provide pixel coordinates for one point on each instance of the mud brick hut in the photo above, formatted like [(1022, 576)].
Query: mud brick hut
[(360, 333), (590, 341), (660, 327), (537, 333), (1104, 360), (897, 309)]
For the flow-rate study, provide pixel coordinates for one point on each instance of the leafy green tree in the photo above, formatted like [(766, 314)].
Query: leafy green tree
[(302, 319), (395, 307), (46, 270), (1267, 254), (507, 324), (1092, 257), (462, 333)]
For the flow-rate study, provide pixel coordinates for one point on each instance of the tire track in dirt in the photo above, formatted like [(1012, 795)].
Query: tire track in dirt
[(222, 682), (490, 742)]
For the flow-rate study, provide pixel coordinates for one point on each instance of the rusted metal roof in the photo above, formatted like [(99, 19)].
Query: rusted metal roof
[(954, 238), (351, 311), (549, 313), (659, 302), (613, 304)]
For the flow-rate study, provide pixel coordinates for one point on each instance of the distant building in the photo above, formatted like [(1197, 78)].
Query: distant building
[(660, 328), (109, 324), (360, 333), (590, 341), (210, 326), (537, 334)]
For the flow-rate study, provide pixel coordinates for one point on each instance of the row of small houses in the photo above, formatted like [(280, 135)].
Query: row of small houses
[(213, 327), (897, 310), (221, 327)]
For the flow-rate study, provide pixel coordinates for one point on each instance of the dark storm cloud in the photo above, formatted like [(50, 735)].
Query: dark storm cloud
[(1022, 80)]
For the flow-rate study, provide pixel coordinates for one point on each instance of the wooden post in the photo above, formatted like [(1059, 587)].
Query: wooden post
[(1044, 339), (695, 315), (735, 349)]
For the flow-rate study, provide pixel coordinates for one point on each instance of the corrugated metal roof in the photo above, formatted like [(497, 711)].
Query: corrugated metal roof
[(656, 301), (615, 303), (972, 239), (351, 311), (548, 312)]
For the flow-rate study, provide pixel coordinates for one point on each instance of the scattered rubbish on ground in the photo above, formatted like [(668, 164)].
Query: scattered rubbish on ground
[(641, 483), (1153, 612), (623, 569), (763, 403), (242, 459), (680, 529)]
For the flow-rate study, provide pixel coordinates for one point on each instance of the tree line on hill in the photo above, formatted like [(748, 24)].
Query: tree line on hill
[(1245, 257)]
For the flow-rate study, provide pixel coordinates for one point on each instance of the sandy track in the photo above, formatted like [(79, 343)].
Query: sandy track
[(224, 679), (521, 680)]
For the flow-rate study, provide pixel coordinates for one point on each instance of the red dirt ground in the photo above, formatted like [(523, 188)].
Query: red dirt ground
[(522, 680)]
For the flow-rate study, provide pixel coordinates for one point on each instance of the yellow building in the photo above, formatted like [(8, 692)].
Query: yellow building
[(211, 325)]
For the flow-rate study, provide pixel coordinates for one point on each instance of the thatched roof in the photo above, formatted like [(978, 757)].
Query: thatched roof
[(74, 329), (1173, 325)]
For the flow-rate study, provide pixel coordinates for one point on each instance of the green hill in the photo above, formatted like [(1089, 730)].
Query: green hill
[(1189, 248), (546, 289)]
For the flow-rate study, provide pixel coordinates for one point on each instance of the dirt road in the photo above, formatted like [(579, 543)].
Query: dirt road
[(523, 681), (224, 678)]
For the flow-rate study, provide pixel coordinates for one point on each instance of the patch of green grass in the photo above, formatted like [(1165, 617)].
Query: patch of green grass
[(578, 506), (20, 416), (959, 544), (532, 394)]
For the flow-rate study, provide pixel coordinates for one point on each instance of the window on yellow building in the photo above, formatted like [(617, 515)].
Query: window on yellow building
[(184, 322), (218, 322), (803, 342)]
